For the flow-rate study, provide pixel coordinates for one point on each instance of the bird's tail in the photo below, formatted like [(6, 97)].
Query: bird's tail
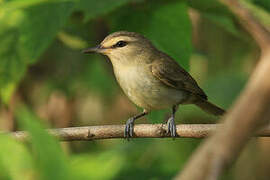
[(210, 108)]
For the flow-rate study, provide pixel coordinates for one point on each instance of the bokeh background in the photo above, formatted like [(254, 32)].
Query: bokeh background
[(46, 82)]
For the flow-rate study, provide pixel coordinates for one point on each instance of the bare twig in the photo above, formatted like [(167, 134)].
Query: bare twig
[(117, 131), (88, 133), (250, 112)]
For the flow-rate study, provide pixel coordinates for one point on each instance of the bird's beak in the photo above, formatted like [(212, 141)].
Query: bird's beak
[(97, 49)]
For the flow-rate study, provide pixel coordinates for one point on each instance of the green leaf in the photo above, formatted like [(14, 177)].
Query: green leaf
[(15, 161), (94, 8), (28, 27), (26, 31), (51, 163), (93, 166), (166, 24)]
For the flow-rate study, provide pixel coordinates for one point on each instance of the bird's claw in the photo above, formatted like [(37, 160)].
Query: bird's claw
[(171, 127), (129, 128)]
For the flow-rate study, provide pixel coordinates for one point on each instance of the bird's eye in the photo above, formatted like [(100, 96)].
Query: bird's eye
[(120, 44)]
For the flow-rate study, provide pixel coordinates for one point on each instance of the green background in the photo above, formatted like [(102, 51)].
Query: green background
[(46, 82)]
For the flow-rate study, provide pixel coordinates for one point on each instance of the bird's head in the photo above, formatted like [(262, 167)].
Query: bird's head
[(124, 47)]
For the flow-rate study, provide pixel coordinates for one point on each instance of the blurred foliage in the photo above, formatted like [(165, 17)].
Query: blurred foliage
[(151, 17), (217, 13), (18, 164), (26, 32), (44, 79), (46, 150)]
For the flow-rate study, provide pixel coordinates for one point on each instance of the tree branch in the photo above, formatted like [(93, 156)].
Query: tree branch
[(257, 30), (88, 133)]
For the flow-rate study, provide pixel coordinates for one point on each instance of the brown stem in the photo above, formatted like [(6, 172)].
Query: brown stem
[(87, 133)]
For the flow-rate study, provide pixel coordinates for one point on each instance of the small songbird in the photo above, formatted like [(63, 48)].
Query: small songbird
[(151, 78)]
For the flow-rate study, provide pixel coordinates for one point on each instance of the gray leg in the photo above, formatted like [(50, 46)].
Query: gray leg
[(130, 125), (171, 123)]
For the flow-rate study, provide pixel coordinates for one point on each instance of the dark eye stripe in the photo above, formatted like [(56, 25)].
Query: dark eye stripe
[(120, 44)]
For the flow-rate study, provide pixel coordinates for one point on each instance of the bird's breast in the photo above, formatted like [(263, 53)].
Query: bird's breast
[(145, 90)]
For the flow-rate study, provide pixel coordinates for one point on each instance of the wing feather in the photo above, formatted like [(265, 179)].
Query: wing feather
[(173, 75)]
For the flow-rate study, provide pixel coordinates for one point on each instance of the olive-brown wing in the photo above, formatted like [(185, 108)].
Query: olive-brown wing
[(172, 74)]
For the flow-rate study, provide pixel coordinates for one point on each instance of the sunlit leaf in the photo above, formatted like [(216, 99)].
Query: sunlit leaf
[(25, 33), (28, 27)]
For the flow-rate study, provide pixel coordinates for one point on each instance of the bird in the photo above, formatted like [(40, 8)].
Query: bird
[(150, 78)]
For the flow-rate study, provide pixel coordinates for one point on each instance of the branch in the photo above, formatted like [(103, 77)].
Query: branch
[(140, 131), (257, 30), (250, 112)]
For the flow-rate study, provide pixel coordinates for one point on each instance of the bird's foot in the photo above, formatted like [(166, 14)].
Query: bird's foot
[(129, 128), (171, 127)]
